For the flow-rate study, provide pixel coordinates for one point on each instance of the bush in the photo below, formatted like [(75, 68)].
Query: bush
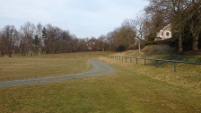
[(120, 48), (151, 43)]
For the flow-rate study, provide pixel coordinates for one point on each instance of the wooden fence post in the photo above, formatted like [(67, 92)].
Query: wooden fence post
[(145, 61), (175, 66), (156, 63)]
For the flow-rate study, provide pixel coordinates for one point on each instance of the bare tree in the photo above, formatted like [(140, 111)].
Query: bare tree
[(188, 21), (194, 12), (102, 40), (111, 40), (37, 39), (27, 33), (139, 26), (8, 40)]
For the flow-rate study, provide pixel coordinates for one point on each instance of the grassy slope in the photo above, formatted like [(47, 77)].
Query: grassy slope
[(187, 75)]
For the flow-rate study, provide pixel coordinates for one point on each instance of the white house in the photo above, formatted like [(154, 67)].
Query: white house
[(164, 33), (91, 44)]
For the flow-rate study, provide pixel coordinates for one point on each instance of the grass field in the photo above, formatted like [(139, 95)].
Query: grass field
[(21, 68), (131, 90), (45, 65)]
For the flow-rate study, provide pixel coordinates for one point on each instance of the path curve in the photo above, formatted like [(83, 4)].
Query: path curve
[(98, 68)]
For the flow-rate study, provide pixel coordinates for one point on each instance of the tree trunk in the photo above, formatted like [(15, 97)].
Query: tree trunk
[(139, 47), (195, 42), (180, 43)]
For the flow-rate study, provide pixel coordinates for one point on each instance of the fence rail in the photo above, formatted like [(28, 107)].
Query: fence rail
[(175, 62)]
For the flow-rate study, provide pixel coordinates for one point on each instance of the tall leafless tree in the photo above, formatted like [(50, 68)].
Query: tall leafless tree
[(8, 40), (27, 32)]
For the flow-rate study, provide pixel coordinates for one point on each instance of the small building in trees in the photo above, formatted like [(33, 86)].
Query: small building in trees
[(164, 33), (91, 44), (94, 45)]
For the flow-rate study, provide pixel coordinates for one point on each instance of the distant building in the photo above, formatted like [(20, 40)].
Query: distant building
[(91, 44), (164, 33)]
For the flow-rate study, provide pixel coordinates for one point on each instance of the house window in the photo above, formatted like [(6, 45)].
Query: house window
[(167, 34)]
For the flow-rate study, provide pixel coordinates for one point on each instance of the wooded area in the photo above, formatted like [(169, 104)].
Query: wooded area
[(183, 15), (36, 39), (185, 19)]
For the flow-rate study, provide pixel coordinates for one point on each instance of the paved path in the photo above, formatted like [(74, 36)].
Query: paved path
[(98, 68)]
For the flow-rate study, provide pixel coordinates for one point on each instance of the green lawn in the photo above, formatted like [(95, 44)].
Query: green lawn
[(126, 91)]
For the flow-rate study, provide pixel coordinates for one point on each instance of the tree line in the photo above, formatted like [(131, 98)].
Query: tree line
[(183, 15), (36, 39)]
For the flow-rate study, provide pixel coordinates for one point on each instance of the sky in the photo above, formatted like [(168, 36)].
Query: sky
[(83, 18)]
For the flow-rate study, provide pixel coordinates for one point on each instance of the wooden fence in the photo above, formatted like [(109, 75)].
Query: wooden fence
[(155, 61)]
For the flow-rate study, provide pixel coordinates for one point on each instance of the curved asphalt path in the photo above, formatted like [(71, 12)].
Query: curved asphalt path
[(98, 68)]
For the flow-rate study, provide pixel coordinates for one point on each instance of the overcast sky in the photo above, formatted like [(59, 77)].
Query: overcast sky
[(84, 18)]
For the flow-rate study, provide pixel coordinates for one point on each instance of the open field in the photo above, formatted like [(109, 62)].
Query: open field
[(21, 68), (45, 65), (133, 89), (97, 68)]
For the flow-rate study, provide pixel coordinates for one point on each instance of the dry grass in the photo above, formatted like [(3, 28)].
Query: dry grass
[(135, 88), (46, 65), (158, 50), (187, 75), (123, 92), (21, 68)]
